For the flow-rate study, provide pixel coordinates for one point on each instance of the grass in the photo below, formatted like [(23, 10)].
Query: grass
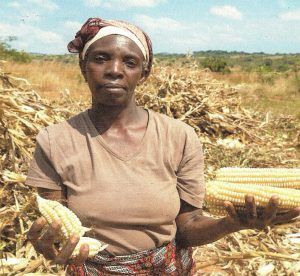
[(51, 78), (274, 92)]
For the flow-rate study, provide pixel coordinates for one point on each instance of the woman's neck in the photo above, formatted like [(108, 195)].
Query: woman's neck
[(105, 117)]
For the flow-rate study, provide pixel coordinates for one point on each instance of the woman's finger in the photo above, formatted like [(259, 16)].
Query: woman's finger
[(250, 210), (230, 210), (82, 256), (36, 229), (34, 233), (49, 252), (51, 233), (46, 242), (288, 216), (66, 252), (271, 210)]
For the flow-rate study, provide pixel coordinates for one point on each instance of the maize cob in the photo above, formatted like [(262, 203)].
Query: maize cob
[(275, 177), (219, 210), (217, 192), (94, 246), (53, 210), (70, 225)]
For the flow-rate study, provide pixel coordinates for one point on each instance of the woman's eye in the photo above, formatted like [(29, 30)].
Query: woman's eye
[(100, 58), (131, 63)]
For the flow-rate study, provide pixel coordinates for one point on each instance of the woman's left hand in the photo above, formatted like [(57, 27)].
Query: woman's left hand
[(252, 220)]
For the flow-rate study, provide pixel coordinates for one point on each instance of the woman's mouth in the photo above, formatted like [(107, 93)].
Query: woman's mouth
[(115, 90), (113, 86)]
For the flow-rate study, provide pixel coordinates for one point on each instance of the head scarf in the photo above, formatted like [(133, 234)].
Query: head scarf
[(92, 26)]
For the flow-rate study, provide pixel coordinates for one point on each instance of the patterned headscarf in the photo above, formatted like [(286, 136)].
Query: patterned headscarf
[(92, 26)]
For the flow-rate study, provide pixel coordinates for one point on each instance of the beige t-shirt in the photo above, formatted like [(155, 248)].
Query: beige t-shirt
[(131, 203)]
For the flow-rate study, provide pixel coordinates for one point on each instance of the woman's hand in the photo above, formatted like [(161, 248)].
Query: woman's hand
[(252, 220), (45, 244)]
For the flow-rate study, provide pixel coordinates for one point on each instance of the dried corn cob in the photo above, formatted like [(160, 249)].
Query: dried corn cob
[(70, 225), (94, 246), (217, 192), (276, 177), (53, 210), (219, 210)]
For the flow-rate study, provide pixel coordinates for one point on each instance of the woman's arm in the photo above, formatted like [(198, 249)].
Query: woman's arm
[(194, 229), (59, 196)]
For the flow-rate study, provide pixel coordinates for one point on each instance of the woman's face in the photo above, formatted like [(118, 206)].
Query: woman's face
[(113, 68)]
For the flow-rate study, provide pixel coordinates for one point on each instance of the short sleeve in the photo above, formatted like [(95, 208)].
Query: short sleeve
[(41, 171), (190, 174)]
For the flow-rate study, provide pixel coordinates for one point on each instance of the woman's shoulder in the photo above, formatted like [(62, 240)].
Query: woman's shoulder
[(175, 133), (63, 128), (170, 124)]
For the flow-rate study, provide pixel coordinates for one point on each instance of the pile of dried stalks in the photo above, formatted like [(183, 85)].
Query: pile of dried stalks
[(231, 136)]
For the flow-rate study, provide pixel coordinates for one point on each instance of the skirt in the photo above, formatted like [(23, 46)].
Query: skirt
[(166, 260)]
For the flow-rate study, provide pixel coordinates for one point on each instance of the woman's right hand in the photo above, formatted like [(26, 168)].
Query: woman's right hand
[(44, 244)]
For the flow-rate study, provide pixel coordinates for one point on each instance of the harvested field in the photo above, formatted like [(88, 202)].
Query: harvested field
[(231, 136)]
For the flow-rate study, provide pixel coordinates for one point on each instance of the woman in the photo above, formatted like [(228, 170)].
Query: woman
[(133, 175)]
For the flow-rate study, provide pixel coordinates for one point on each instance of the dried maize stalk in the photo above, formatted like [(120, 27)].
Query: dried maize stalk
[(217, 192), (9, 176), (276, 177), (12, 264), (70, 224)]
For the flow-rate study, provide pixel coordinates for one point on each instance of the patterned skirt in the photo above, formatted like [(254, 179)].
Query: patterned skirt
[(166, 260)]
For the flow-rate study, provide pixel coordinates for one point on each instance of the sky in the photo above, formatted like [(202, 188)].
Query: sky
[(174, 26)]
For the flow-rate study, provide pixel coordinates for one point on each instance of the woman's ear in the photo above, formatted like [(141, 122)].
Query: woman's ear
[(83, 72), (82, 65), (144, 73), (141, 80), (143, 77)]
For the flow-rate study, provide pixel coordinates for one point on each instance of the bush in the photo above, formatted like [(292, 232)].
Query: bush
[(268, 62), (215, 64), (7, 53)]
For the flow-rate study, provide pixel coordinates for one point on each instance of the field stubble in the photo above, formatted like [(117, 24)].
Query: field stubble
[(231, 134)]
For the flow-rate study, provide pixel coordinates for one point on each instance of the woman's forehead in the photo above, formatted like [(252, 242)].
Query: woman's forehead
[(116, 42)]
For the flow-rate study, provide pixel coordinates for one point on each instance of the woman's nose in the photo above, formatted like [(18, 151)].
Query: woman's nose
[(115, 69)]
